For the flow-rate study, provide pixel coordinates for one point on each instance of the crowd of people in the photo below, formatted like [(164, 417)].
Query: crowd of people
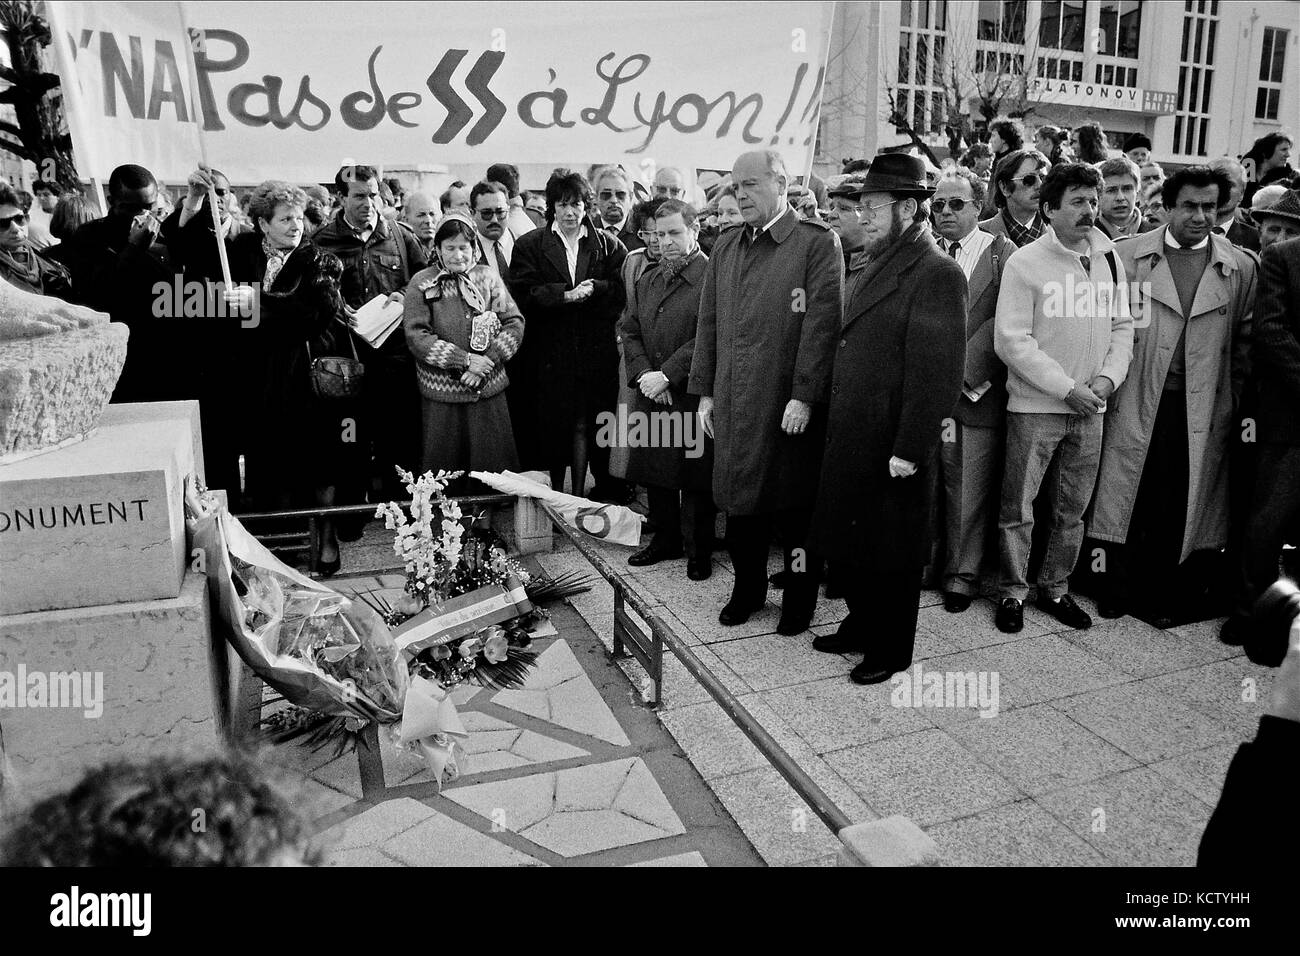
[(904, 375)]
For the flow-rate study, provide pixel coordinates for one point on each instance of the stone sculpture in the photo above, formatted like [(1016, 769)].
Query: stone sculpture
[(58, 365)]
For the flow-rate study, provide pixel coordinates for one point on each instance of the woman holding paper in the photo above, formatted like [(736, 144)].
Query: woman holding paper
[(462, 326)]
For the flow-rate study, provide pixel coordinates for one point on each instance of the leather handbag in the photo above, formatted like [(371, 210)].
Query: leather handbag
[(336, 376)]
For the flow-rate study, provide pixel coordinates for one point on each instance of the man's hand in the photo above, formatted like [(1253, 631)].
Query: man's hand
[(796, 417), (144, 230), (652, 384), (1083, 400), (901, 469), (199, 182), (1102, 387), (480, 365), (580, 292), (706, 414), (665, 397)]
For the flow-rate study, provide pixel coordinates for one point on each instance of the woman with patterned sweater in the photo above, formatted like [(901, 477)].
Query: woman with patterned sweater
[(462, 326)]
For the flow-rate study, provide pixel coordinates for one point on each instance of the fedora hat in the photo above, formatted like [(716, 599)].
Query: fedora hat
[(1288, 207), (899, 173)]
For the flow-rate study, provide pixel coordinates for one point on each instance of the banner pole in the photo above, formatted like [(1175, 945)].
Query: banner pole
[(817, 116), (196, 40)]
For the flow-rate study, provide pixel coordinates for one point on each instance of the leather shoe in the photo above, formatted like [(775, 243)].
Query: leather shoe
[(955, 603), (1065, 611), (1010, 618), (793, 621), (737, 611), (1234, 632), (867, 673), (779, 580), (834, 587), (841, 642), (1111, 608), (653, 553), (699, 569)]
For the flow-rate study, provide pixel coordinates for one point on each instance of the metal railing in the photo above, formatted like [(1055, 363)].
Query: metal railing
[(648, 649)]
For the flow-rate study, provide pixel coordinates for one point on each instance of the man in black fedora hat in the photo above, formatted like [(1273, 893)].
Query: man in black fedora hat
[(897, 375)]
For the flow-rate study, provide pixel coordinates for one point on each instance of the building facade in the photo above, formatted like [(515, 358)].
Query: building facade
[(1201, 78)]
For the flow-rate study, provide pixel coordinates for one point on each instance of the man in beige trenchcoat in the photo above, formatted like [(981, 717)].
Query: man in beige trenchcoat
[(1162, 488)]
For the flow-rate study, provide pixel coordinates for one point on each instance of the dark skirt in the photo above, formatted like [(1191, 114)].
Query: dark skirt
[(469, 436)]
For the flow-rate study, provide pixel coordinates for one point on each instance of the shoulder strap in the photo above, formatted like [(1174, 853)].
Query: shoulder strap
[(1114, 269)]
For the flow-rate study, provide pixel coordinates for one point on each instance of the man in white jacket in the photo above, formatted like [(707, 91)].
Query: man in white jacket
[(1064, 330)]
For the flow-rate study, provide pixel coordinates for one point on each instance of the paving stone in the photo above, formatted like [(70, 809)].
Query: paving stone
[(316, 800), (1009, 695), (926, 776), (342, 773), (562, 811), (972, 628), (774, 661), (1040, 749), (698, 607), (1140, 650), (832, 860), (1134, 818), (496, 744), (717, 746), (835, 713), (1048, 667), (774, 818), (560, 691), (377, 825), (678, 859), (1201, 773), (1018, 834), (442, 841), (680, 688), (1221, 691), (926, 645), (1144, 722), (362, 856)]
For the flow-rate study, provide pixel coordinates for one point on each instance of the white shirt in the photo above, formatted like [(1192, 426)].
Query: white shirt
[(507, 244), (1172, 243), (970, 247), (571, 250), (772, 222)]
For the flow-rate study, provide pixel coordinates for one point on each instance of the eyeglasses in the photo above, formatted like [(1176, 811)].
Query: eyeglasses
[(872, 209), (1029, 180), (957, 205), (19, 218), (493, 213), (647, 235)]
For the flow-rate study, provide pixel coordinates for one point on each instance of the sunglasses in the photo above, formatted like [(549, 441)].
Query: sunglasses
[(493, 213), (957, 205), (18, 219), (1029, 180)]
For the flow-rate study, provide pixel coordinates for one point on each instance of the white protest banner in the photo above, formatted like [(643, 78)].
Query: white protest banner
[(292, 90)]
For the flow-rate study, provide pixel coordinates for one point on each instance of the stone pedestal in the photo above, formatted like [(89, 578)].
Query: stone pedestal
[(524, 526), (136, 413), (101, 521), (130, 680)]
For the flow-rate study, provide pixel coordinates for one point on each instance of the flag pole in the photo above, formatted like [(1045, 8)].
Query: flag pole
[(817, 116), (194, 42), (73, 110)]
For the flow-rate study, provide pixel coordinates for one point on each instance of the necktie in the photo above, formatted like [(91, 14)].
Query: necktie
[(953, 248), (503, 267)]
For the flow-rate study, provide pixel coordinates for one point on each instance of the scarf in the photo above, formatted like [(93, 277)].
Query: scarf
[(275, 260), (29, 272), (670, 269), (1022, 235)]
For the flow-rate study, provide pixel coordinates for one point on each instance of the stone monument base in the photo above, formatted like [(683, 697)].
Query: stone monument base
[(82, 686)]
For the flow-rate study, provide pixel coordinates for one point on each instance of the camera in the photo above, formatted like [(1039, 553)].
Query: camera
[(1271, 620)]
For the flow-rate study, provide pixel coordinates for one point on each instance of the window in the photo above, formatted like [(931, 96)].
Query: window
[(920, 95), (1119, 24), (1062, 25), (1002, 21), (1195, 77), (1271, 62)]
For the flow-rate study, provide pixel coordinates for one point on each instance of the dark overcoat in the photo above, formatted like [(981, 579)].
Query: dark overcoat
[(658, 332), (1276, 348), (573, 345), (769, 317), (982, 362), (898, 371)]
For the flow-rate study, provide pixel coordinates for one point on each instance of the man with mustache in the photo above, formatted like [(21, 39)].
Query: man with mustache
[(1067, 339), (1163, 490)]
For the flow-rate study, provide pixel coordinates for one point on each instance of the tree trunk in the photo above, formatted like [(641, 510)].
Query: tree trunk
[(41, 132)]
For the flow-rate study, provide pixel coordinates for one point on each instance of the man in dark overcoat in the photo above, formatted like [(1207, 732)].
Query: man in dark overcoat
[(898, 374), (672, 456), (769, 316)]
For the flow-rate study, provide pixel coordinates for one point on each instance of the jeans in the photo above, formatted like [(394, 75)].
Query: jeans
[(1037, 441)]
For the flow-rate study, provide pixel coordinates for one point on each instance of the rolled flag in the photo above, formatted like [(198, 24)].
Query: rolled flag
[(607, 522)]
